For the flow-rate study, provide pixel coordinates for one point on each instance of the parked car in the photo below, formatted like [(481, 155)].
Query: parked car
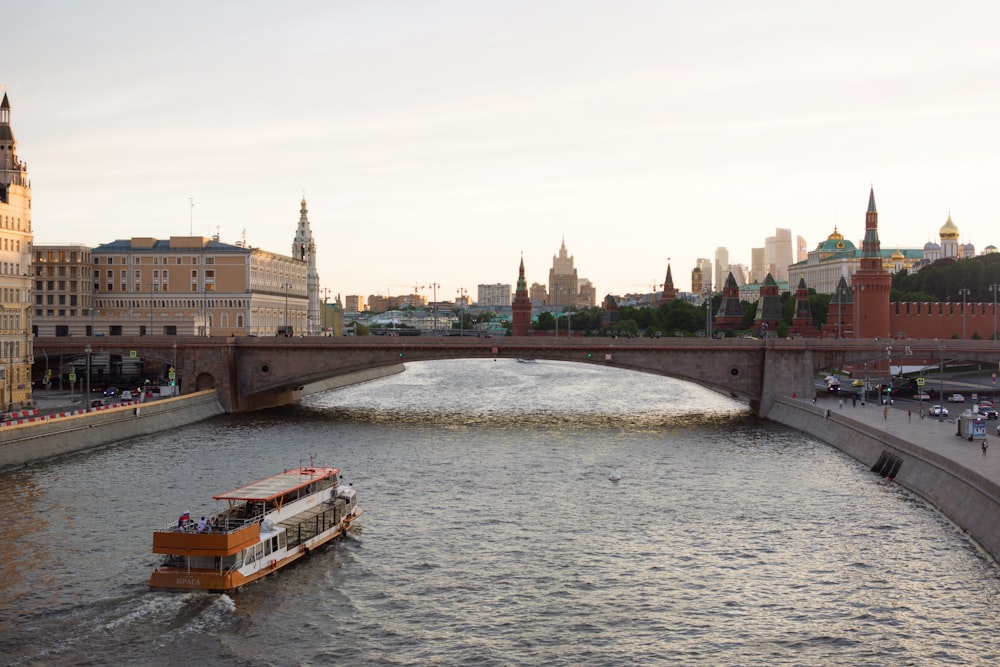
[(956, 398), (97, 403), (922, 396), (988, 412), (126, 395), (857, 383), (938, 411)]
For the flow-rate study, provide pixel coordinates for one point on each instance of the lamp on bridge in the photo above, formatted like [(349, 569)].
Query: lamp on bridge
[(994, 288), (86, 398), (965, 291), (462, 294), (434, 286), (708, 313), (888, 356), (286, 328)]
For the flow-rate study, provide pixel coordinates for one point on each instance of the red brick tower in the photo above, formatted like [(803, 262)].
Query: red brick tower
[(802, 322), (871, 282), (768, 307), (730, 313), (840, 316), (521, 307), (669, 291)]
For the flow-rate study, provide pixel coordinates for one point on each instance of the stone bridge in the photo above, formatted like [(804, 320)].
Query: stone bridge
[(252, 373)]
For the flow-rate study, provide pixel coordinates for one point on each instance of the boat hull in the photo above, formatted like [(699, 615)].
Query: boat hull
[(210, 580)]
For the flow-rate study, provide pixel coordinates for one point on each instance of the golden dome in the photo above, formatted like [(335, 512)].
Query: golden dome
[(949, 230)]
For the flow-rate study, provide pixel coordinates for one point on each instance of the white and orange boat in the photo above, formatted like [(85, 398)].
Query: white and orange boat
[(262, 527)]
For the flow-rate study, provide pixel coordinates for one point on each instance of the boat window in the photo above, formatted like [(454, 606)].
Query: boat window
[(274, 543)]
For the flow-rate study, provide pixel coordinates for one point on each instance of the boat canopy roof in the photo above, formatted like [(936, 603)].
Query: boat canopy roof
[(274, 486)]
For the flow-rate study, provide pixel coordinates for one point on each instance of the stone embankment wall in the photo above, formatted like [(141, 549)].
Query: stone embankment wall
[(25, 443), (964, 496)]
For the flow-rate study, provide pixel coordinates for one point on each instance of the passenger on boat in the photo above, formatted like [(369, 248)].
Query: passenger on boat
[(202, 524)]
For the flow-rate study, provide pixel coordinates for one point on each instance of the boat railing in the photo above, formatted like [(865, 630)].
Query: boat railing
[(223, 525)]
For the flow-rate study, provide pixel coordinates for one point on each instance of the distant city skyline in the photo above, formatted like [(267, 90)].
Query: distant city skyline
[(438, 143)]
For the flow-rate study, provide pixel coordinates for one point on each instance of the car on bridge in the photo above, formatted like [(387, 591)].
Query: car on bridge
[(938, 411), (956, 398), (988, 411)]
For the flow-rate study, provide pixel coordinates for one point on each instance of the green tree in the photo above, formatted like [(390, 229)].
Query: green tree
[(546, 322)]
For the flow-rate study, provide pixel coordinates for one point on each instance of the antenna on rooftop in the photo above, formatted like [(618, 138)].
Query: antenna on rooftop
[(191, 218)]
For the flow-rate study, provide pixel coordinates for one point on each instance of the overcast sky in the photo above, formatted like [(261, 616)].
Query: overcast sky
[(436, 142)]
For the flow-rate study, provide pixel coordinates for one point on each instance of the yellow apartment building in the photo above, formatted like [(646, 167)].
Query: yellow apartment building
[(195, 286)]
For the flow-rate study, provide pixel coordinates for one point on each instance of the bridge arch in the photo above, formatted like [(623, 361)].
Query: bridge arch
[(250, 372)]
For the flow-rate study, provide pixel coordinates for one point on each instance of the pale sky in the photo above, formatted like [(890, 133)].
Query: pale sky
[(437, 141)]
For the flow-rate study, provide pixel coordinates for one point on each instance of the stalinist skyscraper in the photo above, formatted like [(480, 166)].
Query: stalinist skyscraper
[(15, 281), (304, 248), (563, 283)]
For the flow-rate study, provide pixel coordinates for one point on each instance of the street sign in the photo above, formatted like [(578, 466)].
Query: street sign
[(132, 354), (72, 377), (920, 382)]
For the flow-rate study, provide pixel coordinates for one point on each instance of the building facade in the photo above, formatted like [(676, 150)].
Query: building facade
[(63, 289), (195, 286), (562, 279), (493, 296), (16, 238)]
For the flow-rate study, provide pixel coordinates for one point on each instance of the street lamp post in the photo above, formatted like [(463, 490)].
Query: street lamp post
[(708, 314), (461, 317), (941, 380), (287, 330), (965, 291), (434, 286), (995, 287), (888, 356), (150, 308), (864, 390), (325, 318), (86, 397)]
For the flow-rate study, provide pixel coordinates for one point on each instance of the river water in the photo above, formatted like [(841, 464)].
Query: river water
[(492, 536)]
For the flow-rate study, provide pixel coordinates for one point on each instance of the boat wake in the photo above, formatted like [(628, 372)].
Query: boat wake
[(141, 625)]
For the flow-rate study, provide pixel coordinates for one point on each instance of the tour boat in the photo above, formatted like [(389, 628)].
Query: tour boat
[(258, 529)]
